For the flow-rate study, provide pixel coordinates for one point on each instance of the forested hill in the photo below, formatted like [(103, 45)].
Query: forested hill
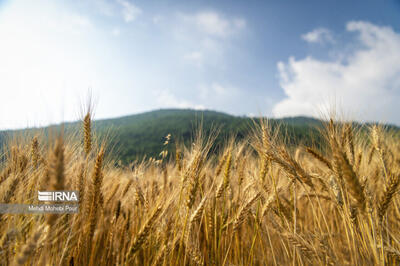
[(135, 136), (141, 135)]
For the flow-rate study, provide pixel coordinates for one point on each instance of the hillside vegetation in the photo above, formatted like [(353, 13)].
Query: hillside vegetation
[(259, 200), (137, 136)]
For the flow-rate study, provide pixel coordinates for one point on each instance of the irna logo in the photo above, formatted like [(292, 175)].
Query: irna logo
[(58, 195)]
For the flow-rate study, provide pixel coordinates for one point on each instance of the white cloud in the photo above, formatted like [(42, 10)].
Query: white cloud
[(319, 35), (195, 57), (217, 91), (67, 23), (214, 24), (365, 83), (104, 7), (116, 32), (208, 35), (80, 21), (129, 11), (158, 19), (166, 99)]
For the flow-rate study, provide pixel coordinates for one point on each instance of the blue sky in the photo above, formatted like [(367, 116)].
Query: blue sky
[(275, 58)]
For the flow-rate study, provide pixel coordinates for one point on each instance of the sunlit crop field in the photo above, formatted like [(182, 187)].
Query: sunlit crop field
[(255, 202)]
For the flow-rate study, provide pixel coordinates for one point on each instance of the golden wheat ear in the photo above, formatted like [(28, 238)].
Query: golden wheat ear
[(87, 131), (388, 195)]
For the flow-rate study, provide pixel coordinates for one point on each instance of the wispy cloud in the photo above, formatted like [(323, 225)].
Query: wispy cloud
[(195, 57), (129, 11), (80, 21), (365, 82), (214, 24), (157, 19), (166, 99), (217, 91), (116, 31), (319, 35), (104, 7), (208, 35)]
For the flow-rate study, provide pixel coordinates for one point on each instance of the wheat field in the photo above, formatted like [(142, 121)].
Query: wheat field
[(255, 202)]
